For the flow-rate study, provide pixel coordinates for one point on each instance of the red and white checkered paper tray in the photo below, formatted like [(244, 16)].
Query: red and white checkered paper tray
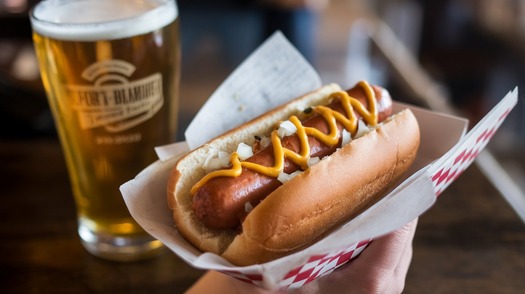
[(444, 153)]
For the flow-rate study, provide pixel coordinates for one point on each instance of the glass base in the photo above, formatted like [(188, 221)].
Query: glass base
[(119, 248)]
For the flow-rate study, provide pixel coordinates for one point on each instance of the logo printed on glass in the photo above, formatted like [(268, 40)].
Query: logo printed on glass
[(114, 102)]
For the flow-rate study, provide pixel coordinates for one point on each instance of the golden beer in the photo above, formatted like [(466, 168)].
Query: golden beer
[(111, 74)]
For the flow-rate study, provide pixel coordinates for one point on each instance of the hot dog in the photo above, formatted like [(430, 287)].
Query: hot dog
[(245, 213), (222, 202)]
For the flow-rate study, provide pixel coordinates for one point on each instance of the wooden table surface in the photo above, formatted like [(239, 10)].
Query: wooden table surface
[(470, 241)]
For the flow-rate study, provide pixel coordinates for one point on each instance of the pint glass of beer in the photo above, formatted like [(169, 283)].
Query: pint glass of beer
[(111, 72)]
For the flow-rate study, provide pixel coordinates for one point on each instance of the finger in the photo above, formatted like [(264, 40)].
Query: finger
[(377, 270), (215, 282), (382, 266), (386, 251), (406, 256)]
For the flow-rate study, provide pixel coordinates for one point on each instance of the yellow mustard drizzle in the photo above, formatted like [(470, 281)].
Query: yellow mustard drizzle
[(349, 122)]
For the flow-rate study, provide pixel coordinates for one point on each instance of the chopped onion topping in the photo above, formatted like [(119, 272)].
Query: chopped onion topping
[(223, 155), (347, 137), (211, 155), (216, 161), (284, 177), (362, 129), (207, 160), (313, 161), (286, 128), (265, 142), (245, 151)]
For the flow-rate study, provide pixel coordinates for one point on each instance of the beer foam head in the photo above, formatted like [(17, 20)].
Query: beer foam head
[(91, 20)]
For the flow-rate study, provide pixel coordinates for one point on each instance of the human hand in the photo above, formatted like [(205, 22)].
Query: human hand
[(381, 268)]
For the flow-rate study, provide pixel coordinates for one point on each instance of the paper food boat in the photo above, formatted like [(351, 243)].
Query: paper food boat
[(277, 70)]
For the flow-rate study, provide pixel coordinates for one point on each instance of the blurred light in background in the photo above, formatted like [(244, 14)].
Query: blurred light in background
[(14, 6)]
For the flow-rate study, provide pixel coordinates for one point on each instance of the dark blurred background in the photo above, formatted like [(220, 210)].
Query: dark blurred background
[(473, 49)]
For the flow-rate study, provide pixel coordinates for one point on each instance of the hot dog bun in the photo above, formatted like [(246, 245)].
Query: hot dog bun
[(308, 206)]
